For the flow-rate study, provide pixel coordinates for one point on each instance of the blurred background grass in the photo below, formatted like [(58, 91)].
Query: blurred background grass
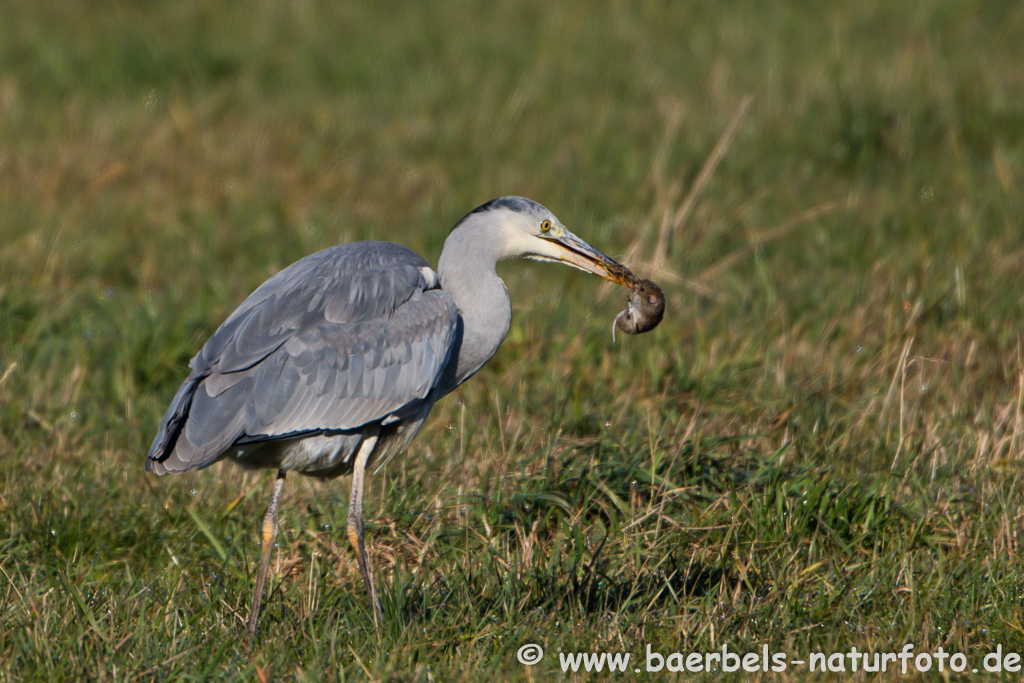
[(819, 447)]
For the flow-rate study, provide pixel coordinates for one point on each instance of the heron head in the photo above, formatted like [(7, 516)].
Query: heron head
[(528, 230)]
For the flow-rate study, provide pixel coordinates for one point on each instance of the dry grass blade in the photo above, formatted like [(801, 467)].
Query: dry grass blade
[(671, 230), (759, 239), (7, 372), (672, 222)]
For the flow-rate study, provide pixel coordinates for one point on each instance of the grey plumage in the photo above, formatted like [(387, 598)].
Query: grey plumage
[(354, 334), (333, 363)]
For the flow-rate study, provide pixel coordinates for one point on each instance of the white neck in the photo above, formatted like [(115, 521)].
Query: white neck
[(466, 269)]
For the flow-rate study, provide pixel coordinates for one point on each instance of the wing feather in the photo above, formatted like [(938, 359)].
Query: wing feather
[(352, 335)]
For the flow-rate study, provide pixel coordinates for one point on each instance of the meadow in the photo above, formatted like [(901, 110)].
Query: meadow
[(820, 448)]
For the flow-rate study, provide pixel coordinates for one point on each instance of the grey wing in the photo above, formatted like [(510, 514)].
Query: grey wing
[(353, 335)]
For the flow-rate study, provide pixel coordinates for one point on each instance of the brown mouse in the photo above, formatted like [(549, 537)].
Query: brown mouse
[(645, 310)]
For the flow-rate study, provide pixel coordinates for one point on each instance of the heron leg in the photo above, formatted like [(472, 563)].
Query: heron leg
[(354, 523), (270, 529)]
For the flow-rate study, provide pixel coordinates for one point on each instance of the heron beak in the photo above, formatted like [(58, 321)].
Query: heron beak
[(575, 252)]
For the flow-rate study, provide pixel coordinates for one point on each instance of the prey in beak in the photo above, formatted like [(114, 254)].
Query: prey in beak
[(646, 302)]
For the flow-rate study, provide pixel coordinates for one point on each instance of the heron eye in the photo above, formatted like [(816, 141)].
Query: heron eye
[(545, 225)]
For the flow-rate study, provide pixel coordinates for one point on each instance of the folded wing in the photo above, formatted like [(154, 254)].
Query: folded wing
[(353, 335)]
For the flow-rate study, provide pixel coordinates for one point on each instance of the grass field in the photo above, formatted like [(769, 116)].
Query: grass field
[(820, 448)]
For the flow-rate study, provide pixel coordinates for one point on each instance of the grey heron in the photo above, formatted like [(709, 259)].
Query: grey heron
[(332, 364)]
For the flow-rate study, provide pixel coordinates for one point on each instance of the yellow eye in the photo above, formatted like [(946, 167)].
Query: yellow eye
[(545, 225)]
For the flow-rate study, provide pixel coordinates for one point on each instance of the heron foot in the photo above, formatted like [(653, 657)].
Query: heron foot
[(356, 536), (354, 525), (270, 531)]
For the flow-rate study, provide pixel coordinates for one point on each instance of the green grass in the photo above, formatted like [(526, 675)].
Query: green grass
[(820, 448)]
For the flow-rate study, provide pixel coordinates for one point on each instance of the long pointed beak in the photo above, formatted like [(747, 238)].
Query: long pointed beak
[(575, 252)]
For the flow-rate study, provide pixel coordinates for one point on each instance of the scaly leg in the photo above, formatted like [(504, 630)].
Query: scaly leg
[(354, 523), (269, 538)]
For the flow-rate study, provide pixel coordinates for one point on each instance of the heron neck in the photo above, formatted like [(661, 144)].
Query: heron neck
[(467, 273)]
